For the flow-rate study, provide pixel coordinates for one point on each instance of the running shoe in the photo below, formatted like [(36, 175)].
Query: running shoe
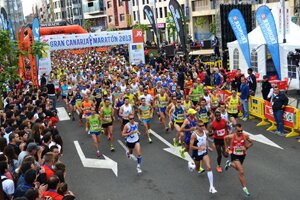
[(245, 119), (69, 114), (175, 144), (167, 129), (128, 155), (98, 154), (201, 170), (219, 169), (213, 190), (179, 143), (150, 140), (139, 170), (247, 193), (112, 148), (182, 151), (227, 165)]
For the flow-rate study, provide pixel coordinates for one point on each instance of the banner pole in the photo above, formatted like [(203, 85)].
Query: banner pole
[(284, 20)]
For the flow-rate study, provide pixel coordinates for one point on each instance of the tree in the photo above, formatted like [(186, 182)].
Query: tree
[(9, 55), (170, 26), (88, 24), (144, 27), (111, 27), (201, 21)]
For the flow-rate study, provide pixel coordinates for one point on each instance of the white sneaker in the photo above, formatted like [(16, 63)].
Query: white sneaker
[(213, 190), (139, 170)]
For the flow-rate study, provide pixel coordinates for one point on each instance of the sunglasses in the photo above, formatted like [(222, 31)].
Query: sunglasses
[(131, 118), (240, 131), (202, 125)]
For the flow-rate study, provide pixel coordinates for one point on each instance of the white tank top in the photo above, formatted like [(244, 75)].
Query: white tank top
[(207, 99), (224, 116), (127, 110), (123, 88), (201, 141), (135, 136)]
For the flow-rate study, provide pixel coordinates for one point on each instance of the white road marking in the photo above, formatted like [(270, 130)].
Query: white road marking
[(107, 163), (262, 139), (62, 114), (125, 148), (173, 150)]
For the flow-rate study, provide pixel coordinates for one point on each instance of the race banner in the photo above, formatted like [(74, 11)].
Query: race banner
[(177, 15), (22, 68), (239, 28), (136, 53), (32, 58), (150, 16), (36, 36), (267, 25), (109, 38), (3, 14)]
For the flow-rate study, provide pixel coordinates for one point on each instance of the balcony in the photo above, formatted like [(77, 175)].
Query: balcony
[(93, 7), (204, 7)]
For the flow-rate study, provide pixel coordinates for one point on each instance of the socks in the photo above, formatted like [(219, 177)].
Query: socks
[(210, 179), (139, 160)]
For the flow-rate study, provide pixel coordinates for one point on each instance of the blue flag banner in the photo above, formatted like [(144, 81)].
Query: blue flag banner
[(11, 30), (3, 16), (36, 36), (267, 25), (239, 28)]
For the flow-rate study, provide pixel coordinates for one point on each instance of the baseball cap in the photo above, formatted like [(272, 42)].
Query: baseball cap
[(191, 111), (32, 146)]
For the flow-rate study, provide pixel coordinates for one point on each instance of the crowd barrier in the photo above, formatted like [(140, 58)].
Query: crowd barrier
[(217, 63), (261, 109)]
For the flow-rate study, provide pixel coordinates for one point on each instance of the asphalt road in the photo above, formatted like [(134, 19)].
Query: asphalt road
[(271, 173)]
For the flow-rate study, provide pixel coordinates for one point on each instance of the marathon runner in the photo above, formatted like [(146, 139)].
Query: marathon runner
[(199, 146), (162, 98), (177, 114), (145, 114), (236, 145), (219, 130), (187, 127), (132, 133), (125, 111), (93, 127), (107, 115)]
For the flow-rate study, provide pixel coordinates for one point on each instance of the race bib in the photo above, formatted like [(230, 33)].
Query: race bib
[(221, 132), (238, 151)]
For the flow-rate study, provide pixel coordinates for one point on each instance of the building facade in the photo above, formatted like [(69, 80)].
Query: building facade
[(160, 9), (59, 10), (14, 9), (95, 11), (117, 12)]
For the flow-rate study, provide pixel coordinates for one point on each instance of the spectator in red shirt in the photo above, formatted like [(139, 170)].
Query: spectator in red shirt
[(53, 184), (49, 162)]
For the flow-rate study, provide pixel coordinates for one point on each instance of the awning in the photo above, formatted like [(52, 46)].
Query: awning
[(201, 52)]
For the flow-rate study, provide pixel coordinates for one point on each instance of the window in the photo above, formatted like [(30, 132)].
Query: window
[(144, 16), (133, 2), (134, 17), (122, 17), (110, 18), (156, 13), (64, 14), (166, 12), (108, 4), (236, 58), (160, 13), (121, 3), (254, 63), (143, 2), (292, 66), (75, 11)]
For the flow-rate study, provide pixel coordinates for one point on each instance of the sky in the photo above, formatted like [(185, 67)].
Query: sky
[(27, 6)]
